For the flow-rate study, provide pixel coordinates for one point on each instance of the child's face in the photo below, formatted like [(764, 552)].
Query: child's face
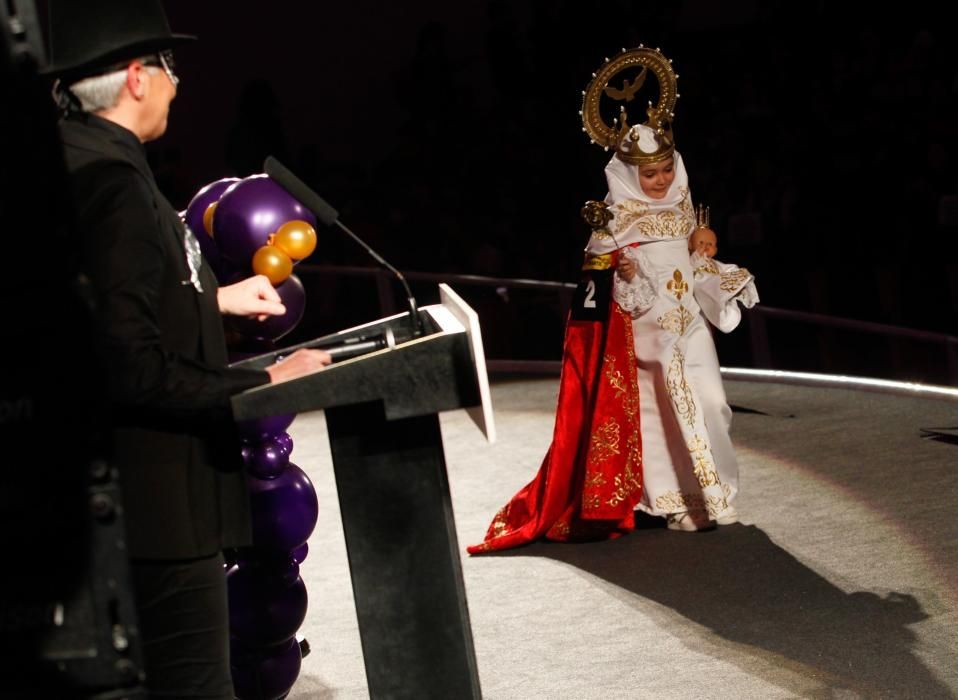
[(704, 242), (656, 179)]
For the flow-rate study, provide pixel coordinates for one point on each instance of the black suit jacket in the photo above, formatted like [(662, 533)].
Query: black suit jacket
[(184, 491)]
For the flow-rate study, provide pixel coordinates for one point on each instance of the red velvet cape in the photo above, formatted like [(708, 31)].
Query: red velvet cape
[(591, 477)]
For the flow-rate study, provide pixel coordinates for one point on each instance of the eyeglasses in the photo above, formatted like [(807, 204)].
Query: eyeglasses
[(164, 60)]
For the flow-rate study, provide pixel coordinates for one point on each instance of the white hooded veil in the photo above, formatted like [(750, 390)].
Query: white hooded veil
[(637, 218)]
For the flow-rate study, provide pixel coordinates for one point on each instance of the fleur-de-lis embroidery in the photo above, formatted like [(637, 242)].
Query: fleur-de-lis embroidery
[(677, 285)]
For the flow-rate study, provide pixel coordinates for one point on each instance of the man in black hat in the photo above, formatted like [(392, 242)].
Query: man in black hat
[(161, 339)]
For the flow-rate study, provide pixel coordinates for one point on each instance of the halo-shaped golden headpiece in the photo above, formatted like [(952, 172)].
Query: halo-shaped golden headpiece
[(660, 114)]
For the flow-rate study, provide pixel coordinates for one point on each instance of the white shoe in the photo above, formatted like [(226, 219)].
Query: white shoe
[(727, 516), (688, 521)]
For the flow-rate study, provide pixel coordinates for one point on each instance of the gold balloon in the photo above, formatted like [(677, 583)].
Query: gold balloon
[(272, 262), (295, 238), (208, 218)]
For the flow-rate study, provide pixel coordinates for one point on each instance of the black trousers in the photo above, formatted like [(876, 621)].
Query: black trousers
[(184, 626)]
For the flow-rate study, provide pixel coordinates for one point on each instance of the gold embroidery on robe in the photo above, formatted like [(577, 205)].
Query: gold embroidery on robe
[(590, 501), (594, 481), (703, 468), (733, 281), (677, 285), (560, 529), (676, 321), (675, 502), (631, 407), (627, 213), (679, 390), (628, 482), (605, 441), (614, 376), (500, 524), (708, 267), (663, 224), (668, 224), (630, 402)]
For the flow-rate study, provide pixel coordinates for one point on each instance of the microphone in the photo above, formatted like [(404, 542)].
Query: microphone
[(329, 216), (351, 347)]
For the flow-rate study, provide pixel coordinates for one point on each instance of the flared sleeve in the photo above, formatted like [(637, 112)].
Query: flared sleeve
[(719, 290)]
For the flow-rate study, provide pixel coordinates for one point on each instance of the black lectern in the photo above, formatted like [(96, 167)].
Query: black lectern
[(381, 413)]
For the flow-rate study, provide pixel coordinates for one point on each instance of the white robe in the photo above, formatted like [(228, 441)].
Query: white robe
[(687, 457)]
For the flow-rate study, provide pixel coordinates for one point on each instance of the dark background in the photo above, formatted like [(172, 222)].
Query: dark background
[(447, 134)]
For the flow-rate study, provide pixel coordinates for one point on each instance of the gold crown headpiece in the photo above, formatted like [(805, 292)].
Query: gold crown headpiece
[(702, 216), (619, 134)]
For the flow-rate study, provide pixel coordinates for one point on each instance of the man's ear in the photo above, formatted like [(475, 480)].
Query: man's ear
[(135, 80)]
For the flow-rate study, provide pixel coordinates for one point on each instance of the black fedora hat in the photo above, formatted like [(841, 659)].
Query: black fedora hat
[(86, 37)]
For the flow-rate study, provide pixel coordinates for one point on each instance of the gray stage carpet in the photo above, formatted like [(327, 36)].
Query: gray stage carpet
[(841, 581)]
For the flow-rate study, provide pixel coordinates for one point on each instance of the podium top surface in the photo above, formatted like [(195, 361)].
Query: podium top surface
[(442, 369)]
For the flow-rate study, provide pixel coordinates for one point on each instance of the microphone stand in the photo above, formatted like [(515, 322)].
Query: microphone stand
[(417, 329)]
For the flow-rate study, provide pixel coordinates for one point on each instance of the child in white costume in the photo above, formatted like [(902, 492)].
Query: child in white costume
[(641, 420), (690, 472)]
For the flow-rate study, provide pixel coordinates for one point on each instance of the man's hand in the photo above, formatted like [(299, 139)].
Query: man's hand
[(303, 361), (253, 297)]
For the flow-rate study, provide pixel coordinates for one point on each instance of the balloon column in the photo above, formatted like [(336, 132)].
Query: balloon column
[(253, 226), (245, 227)]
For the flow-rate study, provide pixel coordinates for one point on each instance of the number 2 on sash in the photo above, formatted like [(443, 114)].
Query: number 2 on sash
[(589, 301)]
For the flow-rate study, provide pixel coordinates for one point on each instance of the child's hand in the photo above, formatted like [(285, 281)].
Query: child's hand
[(626, 268)]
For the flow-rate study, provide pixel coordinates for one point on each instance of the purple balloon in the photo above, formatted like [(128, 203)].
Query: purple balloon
[(249, 212), (300, 553), (268, 459), (260, 430), (285, 442), (284, 510), (266, 606), (193, 217), (266, 674), (293, 296)]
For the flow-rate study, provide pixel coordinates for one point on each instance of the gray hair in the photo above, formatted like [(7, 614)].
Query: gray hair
[(101, 92)]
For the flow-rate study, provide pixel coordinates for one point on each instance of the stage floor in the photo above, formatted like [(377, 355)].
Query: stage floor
[(841, 581)]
